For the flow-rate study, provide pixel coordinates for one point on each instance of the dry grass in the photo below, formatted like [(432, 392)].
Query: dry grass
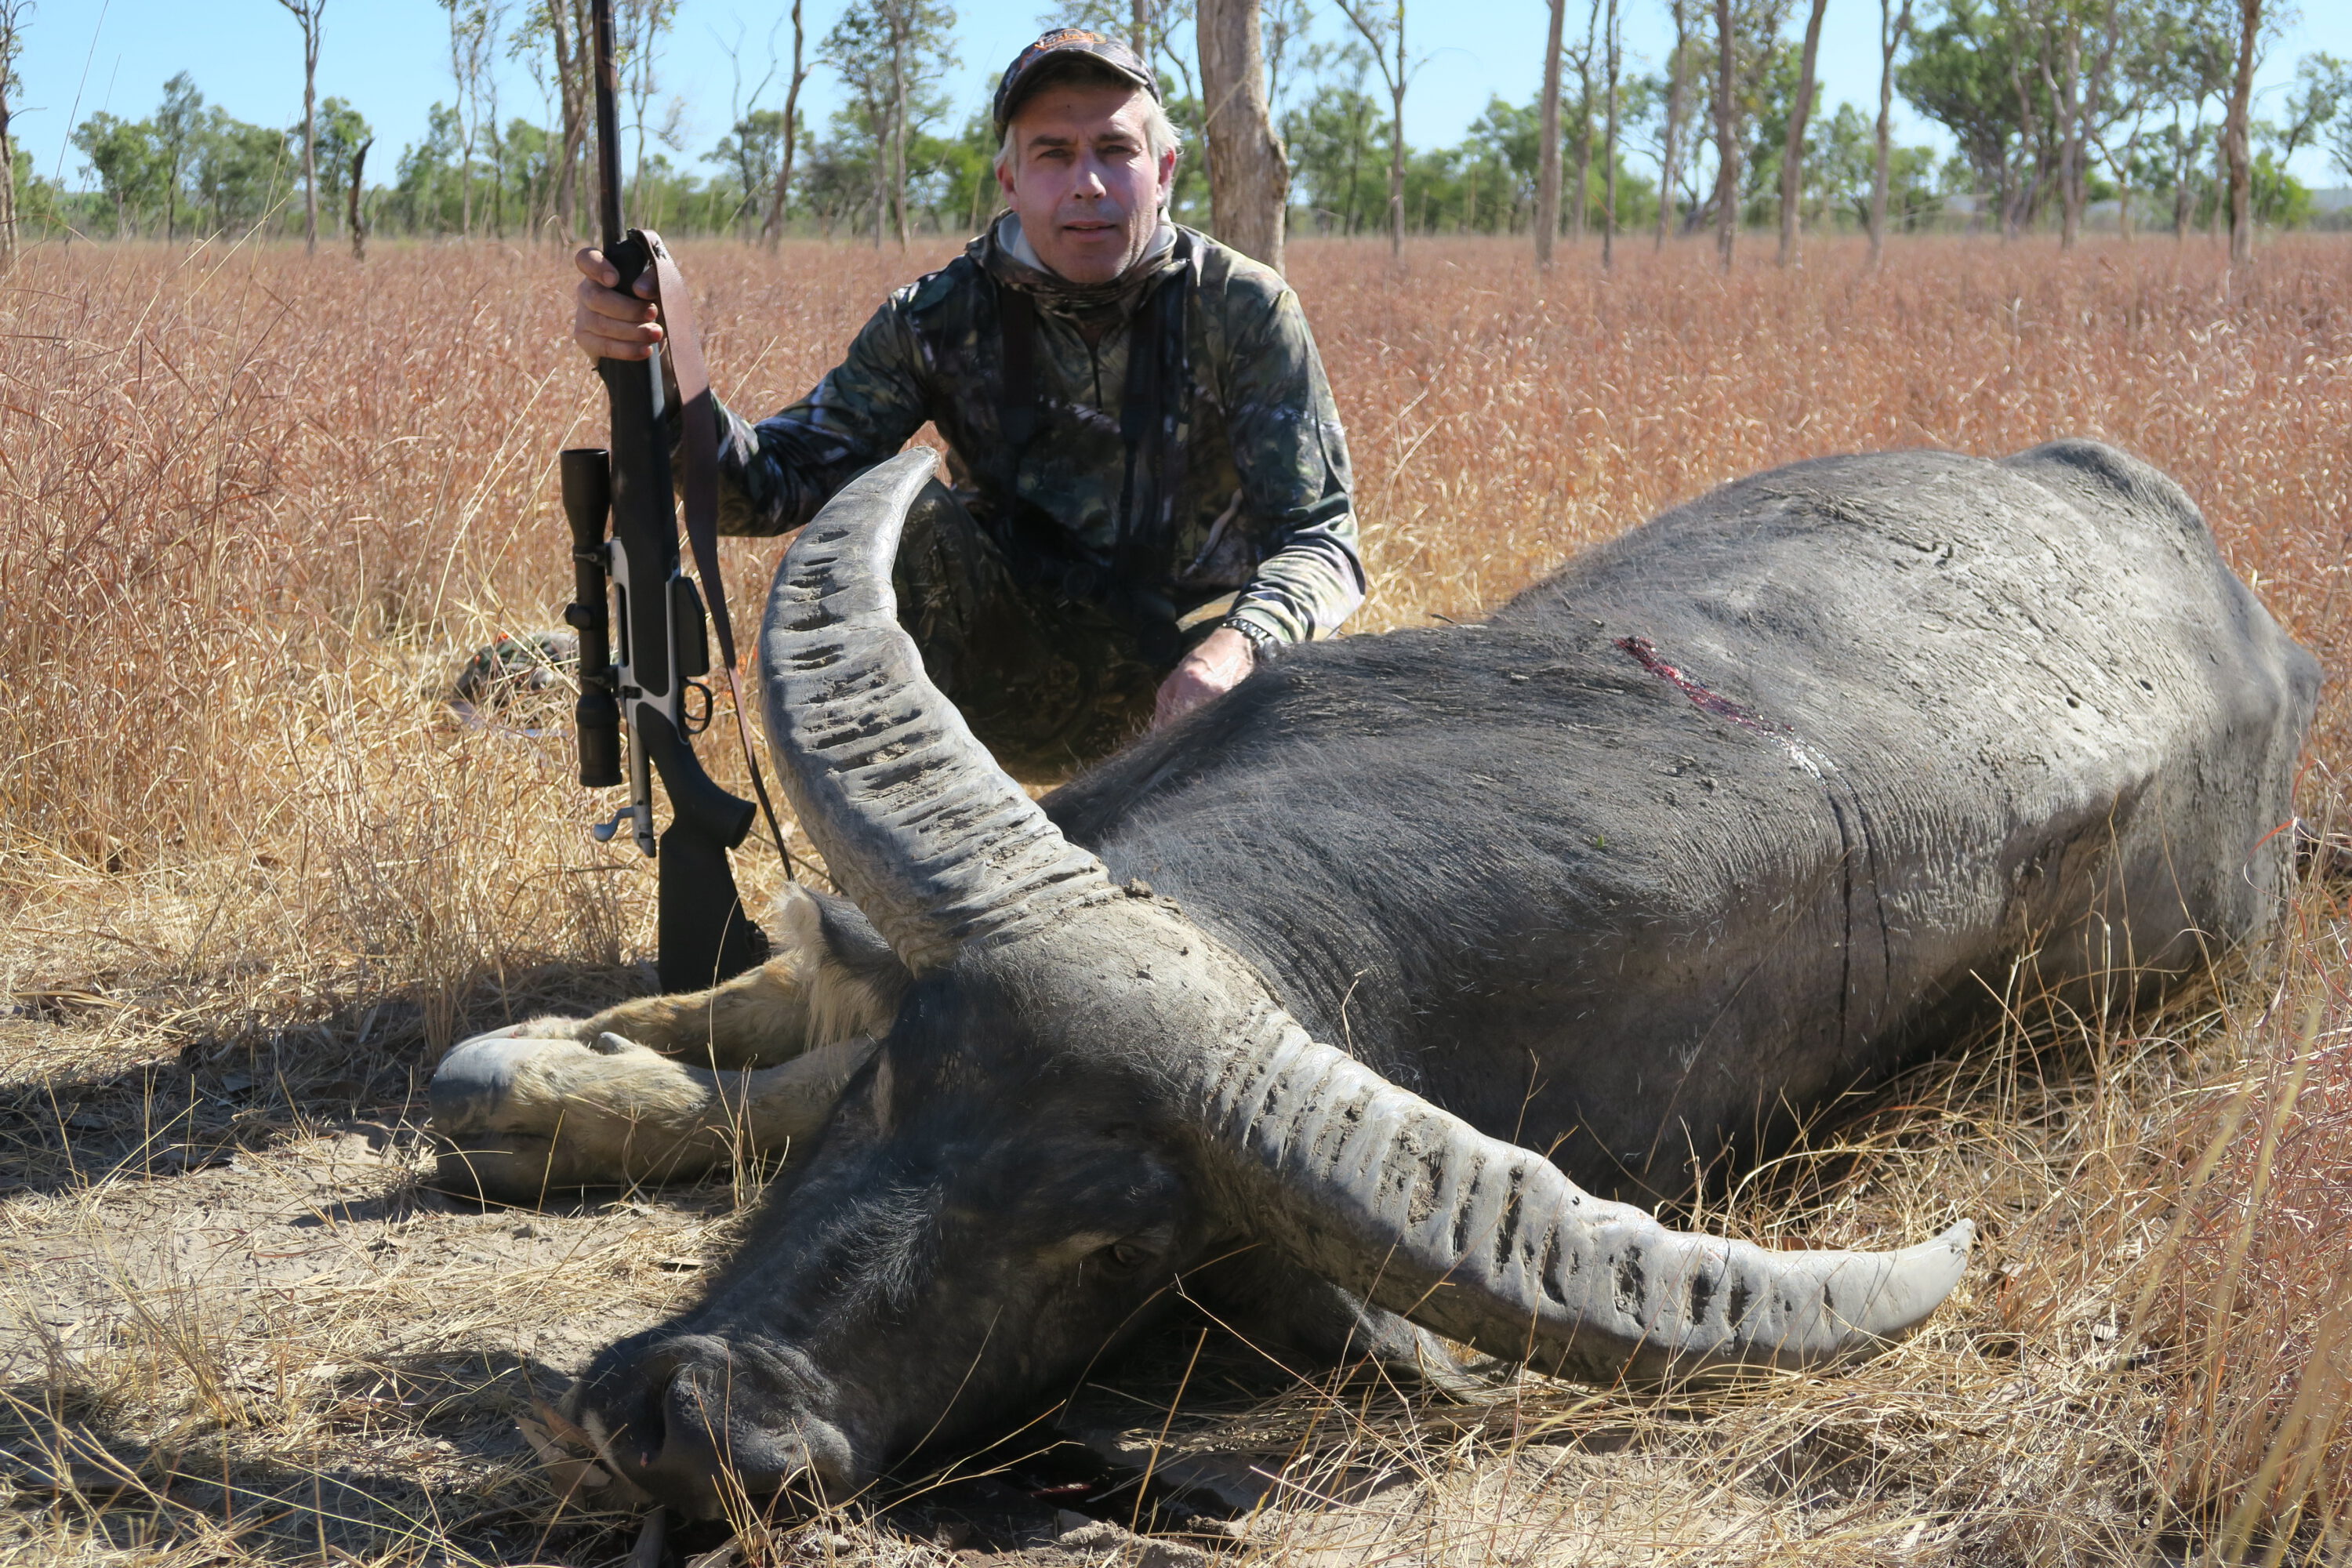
[(253, 511)]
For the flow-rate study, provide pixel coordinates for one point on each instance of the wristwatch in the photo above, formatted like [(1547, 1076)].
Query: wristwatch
[(1263, 643)]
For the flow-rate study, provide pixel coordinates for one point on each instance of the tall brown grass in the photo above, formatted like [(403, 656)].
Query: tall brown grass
[(254, 510)]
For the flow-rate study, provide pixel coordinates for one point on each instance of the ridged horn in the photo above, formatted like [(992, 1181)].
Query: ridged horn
[(1411, 1208), (925, 833)]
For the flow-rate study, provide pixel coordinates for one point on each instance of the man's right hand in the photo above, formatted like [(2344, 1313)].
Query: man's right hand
[(607, 323)]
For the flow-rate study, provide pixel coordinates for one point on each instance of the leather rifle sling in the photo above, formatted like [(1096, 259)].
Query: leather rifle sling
[(700, 480)]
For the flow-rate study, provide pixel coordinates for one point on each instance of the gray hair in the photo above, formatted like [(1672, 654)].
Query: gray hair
[(1160, 136)]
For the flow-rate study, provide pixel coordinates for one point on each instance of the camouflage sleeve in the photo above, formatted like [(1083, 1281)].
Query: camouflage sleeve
[(1293, 460), (774, 476)]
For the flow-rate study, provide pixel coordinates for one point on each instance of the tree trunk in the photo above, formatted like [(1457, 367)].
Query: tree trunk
[(1792, 151), (1396, 144), (1547, 155), (1249, 173), (464, 130), (2233, 135), (901, 25), (881, 169), (310, 128), (1398, 77), (1140, 35), (2021, 194), (771, 225), (7, 173), (2064, 87), (1583, 181), (2218, 225), (2180, 202), (1892, 26), (2123, 168), (1727, 142), (574, 59), (1669, 159), (1609, 152), (358, 218)]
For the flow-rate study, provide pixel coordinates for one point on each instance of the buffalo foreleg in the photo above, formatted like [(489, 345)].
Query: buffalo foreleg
[(832, 978), (670, 1088), (519, 1117)]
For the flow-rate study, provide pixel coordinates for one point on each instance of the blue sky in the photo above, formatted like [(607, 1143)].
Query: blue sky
[(391, 59)]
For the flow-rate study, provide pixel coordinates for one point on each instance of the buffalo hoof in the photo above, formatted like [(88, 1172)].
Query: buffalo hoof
[(520, 1115)]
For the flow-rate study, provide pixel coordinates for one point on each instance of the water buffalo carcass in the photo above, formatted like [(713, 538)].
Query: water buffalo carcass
[(1347, 1001)]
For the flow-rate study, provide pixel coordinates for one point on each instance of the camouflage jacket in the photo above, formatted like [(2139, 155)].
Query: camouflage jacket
[(1260, 509)]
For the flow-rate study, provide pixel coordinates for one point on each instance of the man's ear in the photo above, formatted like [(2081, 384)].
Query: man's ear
[(1167, 177), (1004, 177)]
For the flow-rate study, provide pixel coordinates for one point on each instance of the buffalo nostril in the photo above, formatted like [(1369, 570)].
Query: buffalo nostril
[(696, 1427), (648, 1423)]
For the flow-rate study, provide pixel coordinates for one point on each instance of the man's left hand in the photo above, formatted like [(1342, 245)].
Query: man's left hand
[(1212, 669)]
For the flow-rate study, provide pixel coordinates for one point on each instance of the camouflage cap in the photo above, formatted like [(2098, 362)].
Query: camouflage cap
[(1030, 67)]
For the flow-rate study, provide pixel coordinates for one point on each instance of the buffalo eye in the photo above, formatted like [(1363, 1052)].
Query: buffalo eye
[(1124, 1257)]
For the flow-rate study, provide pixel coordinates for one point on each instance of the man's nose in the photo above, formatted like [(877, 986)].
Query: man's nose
[(1090, 182)]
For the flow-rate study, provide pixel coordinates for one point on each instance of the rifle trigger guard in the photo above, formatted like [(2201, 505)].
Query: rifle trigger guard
[(687, 721)]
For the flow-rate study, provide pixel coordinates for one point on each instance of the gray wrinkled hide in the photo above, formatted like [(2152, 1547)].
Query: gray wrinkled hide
[(1743, 810), (1987, 715)]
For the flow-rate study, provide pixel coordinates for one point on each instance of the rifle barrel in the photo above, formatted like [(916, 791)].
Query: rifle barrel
[(608, 126)]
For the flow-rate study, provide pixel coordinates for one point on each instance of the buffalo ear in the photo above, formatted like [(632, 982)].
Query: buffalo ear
[(1308, 1325)]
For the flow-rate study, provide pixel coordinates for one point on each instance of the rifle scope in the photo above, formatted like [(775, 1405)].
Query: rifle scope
[(587, 476)]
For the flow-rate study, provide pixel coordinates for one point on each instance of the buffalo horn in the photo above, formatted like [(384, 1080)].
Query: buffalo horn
[(1363, 1182), (917, 823), (1377, 1189)]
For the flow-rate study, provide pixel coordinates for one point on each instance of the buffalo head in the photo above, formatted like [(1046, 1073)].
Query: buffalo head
[(1086, 1101)]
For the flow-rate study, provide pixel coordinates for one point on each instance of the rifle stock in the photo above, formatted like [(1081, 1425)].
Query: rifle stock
[(636, 668)]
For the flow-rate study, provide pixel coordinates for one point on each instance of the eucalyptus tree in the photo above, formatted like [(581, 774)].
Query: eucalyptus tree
[(1382, 22), (14, 15), (310, 14), (1893, 22), (1676, 112), (1792, 156), (1547, 223), (1249, 170), (772, 223), (892, 55)]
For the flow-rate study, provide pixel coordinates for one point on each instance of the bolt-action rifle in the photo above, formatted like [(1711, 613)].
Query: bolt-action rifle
[(642, 669)]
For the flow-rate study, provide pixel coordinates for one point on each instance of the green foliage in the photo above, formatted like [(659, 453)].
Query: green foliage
[(1841, 162), (1338, 158), (2154, 76), (41, 207), (2280, 199), (239, 173), (1976, 67), (1962, 73), (187, 169), (343, 131), (747, 157), (891, 55)]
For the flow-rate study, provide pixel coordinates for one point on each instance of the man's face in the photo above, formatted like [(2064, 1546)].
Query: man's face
[(1082, 178)]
